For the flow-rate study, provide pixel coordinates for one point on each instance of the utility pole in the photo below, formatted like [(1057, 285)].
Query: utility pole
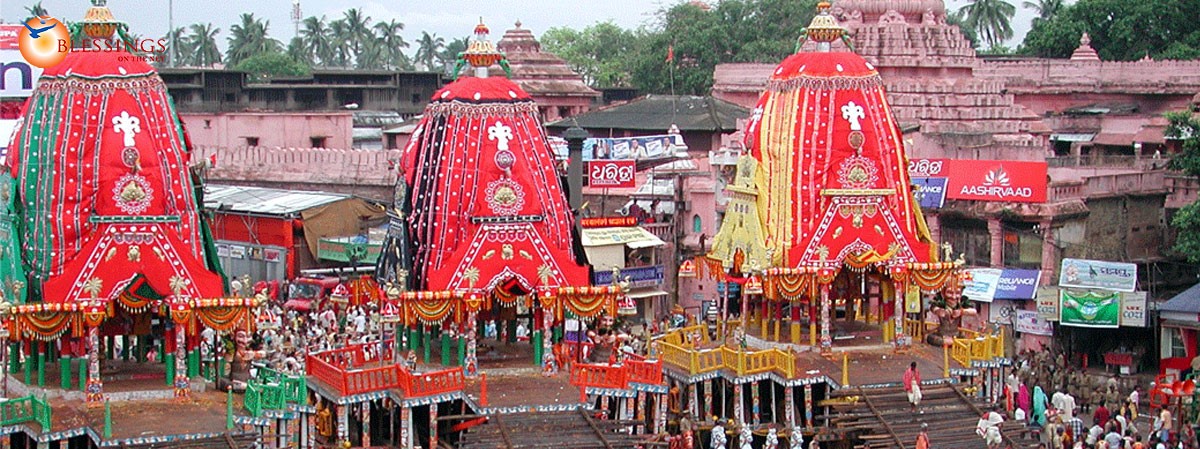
[(296, 16), (171, 32)]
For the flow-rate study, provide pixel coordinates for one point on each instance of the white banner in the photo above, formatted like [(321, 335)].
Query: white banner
[(1133, 309), (982, 286), (1001, 311), (1030, 322)]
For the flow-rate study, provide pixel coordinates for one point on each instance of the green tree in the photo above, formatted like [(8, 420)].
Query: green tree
[(1186, 126), (297, 52), (959, 18), (202, 43), (357, 32), (1045, 9), (388, 35), (36, 10), (314, 32), (1120, 31), (701, 37), (249, 38), (179, 50), (339, 42), (598, 53), (428, 49), (449, 54), (992, 19), (266, 65)]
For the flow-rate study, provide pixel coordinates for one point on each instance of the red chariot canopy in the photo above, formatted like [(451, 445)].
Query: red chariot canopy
[(103, 174), (833, 185), (486, 204)]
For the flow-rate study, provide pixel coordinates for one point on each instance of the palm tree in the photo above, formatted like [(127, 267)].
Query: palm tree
[(991, 19), (341, 53), (372, 56), (296, 51), (428, 48), (249, 38), (388, 35), (180, 52), (358, 29), (1046, 9), (35, 11), (317, 42), (203, 45), (449, 53)]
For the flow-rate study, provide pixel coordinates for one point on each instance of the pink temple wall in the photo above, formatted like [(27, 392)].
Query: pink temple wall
[(368, 173), (273, 129)]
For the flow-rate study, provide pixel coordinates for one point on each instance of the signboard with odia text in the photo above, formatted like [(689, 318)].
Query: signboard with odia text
[(1098, 274)]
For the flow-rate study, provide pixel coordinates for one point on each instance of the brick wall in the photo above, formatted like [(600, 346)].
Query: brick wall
[(366, 173)]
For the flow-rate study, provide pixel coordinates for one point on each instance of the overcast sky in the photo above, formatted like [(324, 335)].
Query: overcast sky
[(447, 18)]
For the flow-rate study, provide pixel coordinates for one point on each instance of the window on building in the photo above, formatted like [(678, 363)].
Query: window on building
[(1174, 344), (252, 141), (416, 98), (318, 141), (697, 224)]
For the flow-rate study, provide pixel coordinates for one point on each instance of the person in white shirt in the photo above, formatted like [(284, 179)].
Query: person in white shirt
[(988, 428)]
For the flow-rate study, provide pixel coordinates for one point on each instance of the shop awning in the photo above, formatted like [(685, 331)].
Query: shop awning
[(1072, 137), (633, 237), (1187, 302), (647, 292)]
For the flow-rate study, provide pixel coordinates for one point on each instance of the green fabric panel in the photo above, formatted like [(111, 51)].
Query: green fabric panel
[(12, 272)]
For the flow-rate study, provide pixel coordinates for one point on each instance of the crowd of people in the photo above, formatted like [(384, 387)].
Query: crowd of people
[(1070, 408)]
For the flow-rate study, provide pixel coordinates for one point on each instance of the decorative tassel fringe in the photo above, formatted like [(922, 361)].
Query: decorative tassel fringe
[(462, 108), (825, 83)]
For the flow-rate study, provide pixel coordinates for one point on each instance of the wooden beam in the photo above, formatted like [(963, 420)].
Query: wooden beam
[(504, 432), (899, 444), (596, 429)]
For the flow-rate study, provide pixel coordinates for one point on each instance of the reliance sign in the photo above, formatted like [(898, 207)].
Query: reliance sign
[(1002, 181)]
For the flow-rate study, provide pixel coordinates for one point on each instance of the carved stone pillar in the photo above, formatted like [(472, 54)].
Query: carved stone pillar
[(996, 232), (1048, 252)]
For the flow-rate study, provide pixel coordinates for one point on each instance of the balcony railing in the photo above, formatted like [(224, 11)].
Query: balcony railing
[(617, 376), (695, 360), (1109, 185), (26, 409), (272, 390), (1106, 160), (664, 231), (974, 346), (345, 370)]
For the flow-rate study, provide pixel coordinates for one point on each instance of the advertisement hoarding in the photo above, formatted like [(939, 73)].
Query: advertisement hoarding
[(1089, 308), (612, 174), (984, 180), (1097, 274)]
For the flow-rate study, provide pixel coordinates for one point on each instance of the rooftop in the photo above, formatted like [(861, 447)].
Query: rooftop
[(1187, 302), (261, 200), (659, 112)]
